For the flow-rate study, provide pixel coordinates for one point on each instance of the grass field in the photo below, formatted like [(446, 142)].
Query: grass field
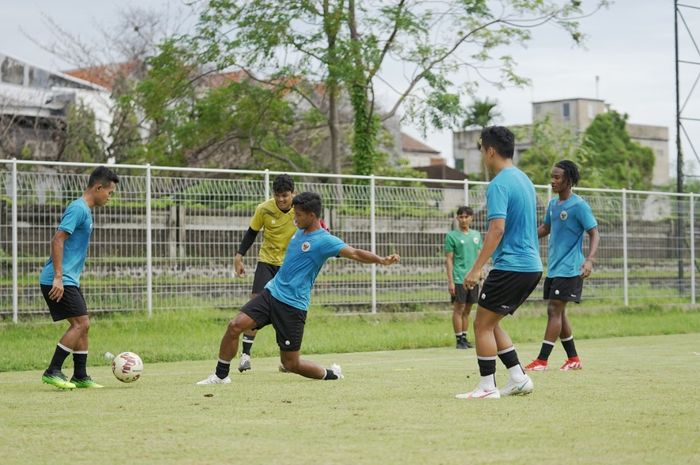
[(635, 402)]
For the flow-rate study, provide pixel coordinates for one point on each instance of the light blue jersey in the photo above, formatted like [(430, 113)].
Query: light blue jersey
[(76, 221), (306, 254), (568, 220), (511, 196)]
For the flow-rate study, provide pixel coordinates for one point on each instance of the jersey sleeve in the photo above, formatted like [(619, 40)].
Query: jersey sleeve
[(496, 201), (449, 244), (586, 217), (547, 215), (332, 246), (256, 222), (71, 219)]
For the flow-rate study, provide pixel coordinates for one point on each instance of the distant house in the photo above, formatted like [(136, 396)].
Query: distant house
[(416, 153)]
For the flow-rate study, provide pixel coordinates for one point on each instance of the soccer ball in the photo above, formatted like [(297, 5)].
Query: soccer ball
[(127, 367)]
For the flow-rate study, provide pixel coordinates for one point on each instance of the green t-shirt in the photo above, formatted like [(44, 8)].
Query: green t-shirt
[(465, 247)]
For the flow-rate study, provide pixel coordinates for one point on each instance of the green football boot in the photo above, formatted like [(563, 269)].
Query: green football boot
[(85, 383), (58, 379)]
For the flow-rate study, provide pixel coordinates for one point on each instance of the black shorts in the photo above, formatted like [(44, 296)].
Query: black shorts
[(505, 291), (264, 272), (464, 295), (287, 320), (566, 289), (71, 304)]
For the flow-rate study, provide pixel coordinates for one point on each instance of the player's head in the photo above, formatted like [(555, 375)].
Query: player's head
[(496, 144), (283, 191), (307, 209), (565, 175), (102, 184), (465, 215)]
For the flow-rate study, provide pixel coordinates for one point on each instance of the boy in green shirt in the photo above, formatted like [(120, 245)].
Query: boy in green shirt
[(462, 246)]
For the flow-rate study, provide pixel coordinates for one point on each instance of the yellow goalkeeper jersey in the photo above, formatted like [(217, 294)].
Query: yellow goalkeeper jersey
[(278, 228)]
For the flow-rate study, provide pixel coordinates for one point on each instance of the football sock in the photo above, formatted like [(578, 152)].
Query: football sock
[(509, 357), (569, 346), (247, 344), (59, 356), (545, 350), (464, 335), (458, 336), (487, 370), (222, 368), (79, 364), (330, 375)]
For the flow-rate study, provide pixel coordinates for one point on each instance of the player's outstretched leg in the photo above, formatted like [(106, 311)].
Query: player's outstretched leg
[(228, 349), (292, 363)]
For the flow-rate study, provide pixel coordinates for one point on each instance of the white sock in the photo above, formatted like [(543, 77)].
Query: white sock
[(516, 373), (488, 383)]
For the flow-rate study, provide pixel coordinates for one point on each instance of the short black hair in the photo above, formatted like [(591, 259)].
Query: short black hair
[(103, 175), (309, 202), (464, 210), (283, 183), (500, 138), (570, 171)]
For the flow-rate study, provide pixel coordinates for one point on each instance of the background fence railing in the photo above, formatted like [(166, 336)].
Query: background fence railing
[(168, 237)]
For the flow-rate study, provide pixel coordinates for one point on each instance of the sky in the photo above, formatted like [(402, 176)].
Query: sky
[(630, 47)]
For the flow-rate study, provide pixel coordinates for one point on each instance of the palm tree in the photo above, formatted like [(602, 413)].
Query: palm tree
[(481, 113)]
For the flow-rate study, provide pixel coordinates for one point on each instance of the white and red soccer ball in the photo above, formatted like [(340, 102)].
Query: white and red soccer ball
[(127, 367)]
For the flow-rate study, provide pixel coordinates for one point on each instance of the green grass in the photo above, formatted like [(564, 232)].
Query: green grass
[(635, 402), (194, 335)]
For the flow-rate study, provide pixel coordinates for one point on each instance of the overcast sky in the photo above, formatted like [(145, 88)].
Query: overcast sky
[(630, 47)]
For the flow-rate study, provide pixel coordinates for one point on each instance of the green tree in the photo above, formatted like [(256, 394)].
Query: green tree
[(350, 46), (479, 114), (610, 158), (81, 142), (549, 143)]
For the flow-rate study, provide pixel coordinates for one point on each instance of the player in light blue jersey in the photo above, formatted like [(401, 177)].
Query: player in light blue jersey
[(285, 299), (60, 280), (511, 241), (567, 218)]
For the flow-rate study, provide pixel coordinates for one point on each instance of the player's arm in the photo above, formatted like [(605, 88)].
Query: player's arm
[(246, 243), (494, 235), (365, 256), (593, 241), (57, 242), (543, 230), (449, 265)]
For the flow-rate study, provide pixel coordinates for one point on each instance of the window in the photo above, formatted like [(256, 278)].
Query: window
[(459, 164), (591, 111), (565, 111), (12, 71)]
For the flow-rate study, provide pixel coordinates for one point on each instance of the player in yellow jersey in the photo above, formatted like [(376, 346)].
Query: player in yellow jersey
[(275, 217)]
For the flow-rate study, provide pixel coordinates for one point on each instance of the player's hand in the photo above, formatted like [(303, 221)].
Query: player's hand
[(391, 259), (56, 292), (451, 288), (238, 267), (586, 269), (472, 279)]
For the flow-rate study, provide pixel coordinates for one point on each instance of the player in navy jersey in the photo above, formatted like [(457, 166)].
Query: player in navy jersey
[(60, 280), (566, 220), (285, 300), (511, 240)]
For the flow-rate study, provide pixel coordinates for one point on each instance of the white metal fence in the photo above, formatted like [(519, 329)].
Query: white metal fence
[(167, 239)]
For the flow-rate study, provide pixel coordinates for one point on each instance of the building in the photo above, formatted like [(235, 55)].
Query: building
[(416, 153), (578, 113)]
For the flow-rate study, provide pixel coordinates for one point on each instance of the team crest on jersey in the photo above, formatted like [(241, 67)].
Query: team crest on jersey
[(306, 246), (563, 215), (476, 240), (462, 241)]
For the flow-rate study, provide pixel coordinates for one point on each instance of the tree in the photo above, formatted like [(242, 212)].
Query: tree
[(611, 159), (549, 143), (351, 46), (479, 114)]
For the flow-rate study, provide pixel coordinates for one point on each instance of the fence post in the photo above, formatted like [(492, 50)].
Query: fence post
[(267, 184), (466, 192), (373, 238), (624, 246), (15, 265), (149, 245), (549, 194), (692, 249)]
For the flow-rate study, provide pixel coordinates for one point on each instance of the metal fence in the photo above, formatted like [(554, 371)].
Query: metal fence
[(168, 237)]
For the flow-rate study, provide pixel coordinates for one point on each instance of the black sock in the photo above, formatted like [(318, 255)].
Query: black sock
[(330, 374), (464, 336), (569, 347), (247, 343), (222, 369), (458, 336), (80, 363), (487, 366), (59, 356), (545, 350), (509, 357)]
